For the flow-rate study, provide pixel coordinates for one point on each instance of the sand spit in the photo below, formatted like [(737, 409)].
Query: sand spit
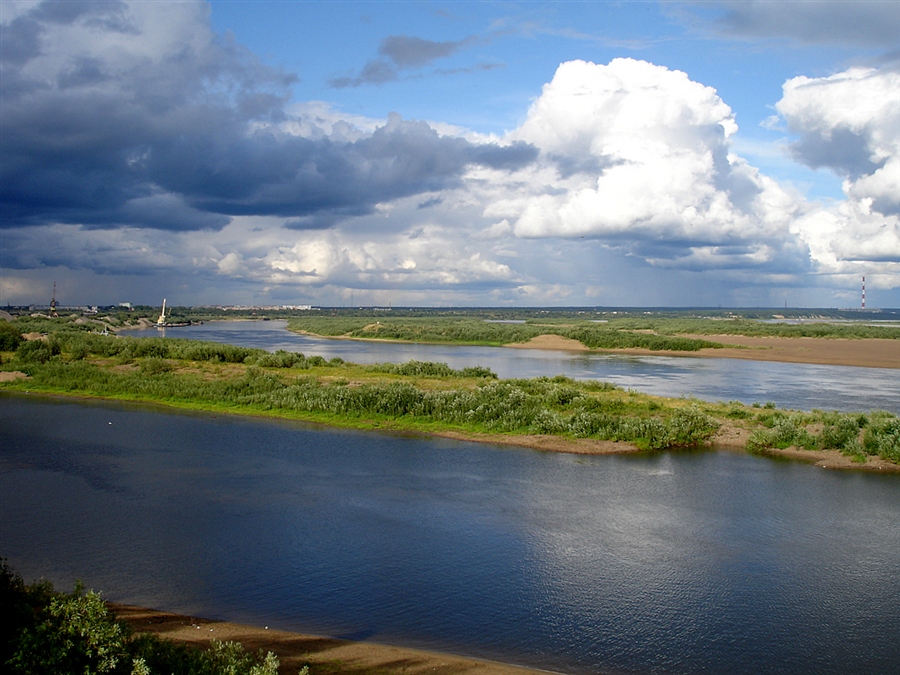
[(868, 353), (324, 655)]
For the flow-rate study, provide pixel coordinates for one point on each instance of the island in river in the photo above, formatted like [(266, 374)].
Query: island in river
[(550, 414)]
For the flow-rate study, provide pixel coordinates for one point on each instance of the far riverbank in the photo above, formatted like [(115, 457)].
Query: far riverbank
[(864, 352)]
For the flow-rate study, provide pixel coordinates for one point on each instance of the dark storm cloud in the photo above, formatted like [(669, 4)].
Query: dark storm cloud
[(428, 203), (407, 51), (290, 176), (186, 138), (398, 52), (863, 23)]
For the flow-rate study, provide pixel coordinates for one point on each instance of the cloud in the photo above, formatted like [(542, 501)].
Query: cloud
[(863, 23), (641, 160), (408, 51), (403, 52), (848, 122), (136, 142), (138, 115)]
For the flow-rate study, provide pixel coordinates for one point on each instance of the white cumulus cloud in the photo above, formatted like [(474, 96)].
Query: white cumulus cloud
[(849, 123), (642, 159)]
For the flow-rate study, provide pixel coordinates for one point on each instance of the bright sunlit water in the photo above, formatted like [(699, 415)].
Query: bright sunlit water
[(707, 562), (796, 386)]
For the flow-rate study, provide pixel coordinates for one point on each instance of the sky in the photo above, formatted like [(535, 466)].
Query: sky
[(251, 152)]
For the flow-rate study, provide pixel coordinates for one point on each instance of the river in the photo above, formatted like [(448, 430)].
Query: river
[(796, 386), (674, 563)]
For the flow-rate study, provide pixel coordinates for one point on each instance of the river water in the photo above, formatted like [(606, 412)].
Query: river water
[(677, 563), (789, 385)]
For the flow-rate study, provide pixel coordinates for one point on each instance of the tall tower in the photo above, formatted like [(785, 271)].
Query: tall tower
[(53, 302), (864, 293)]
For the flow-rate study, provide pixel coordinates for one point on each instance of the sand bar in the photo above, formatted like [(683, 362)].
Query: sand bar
[(867, 352), (323, 654)]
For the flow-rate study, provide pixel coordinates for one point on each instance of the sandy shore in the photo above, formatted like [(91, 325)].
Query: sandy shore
[(728, 437), (324, 655), (869, 353)]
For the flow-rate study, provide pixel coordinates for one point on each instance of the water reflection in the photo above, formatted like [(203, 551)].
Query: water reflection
[(676, 563), (790, 385)]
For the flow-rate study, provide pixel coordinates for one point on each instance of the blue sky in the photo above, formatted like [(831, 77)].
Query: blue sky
[(451, 153)]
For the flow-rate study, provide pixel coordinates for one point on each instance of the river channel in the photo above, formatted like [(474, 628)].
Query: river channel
[(676, 563), (796, 386)]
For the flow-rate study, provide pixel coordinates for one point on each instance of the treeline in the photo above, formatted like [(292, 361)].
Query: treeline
[(45, 632), (476, 331)]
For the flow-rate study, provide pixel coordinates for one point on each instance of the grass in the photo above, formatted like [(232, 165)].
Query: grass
[(421, 397)]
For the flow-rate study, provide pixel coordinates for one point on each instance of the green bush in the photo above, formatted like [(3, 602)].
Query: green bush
[(48, 633), (882, 438), (155, 366), (10, 336), (688, 427), (841, 433), (37, 351)]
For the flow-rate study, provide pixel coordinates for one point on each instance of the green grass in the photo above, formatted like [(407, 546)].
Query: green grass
[(475, 331), (418, 396)]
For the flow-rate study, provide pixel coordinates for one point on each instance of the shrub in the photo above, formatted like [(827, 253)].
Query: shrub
[(10, 337), (882, 438), (77, 635), (841, 433), (47, 633), (37, 351), (155, 366), (689, 427)]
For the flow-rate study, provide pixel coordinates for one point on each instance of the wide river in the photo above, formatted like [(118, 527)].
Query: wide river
[(669, 563), (789, 385)]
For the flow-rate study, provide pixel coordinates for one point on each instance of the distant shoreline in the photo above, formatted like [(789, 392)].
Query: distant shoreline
[(857, 352), (862, 352)]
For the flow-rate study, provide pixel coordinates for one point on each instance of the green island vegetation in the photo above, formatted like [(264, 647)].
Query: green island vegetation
[(46, 632), (416, 396)]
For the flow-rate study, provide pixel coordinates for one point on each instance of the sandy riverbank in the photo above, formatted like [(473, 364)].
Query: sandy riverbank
[(869, 353), (728, 437), (325, 656)]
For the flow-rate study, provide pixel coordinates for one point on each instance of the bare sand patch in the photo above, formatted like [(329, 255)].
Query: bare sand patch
[(868, 352), (10, 375), (550, 341), (323, 654), (573, 446)]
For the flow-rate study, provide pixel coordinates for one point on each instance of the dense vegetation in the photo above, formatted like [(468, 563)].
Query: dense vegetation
[(417, 395), (413, 395), (479, 331), (654, 332), (857, 435), (43, 632)]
